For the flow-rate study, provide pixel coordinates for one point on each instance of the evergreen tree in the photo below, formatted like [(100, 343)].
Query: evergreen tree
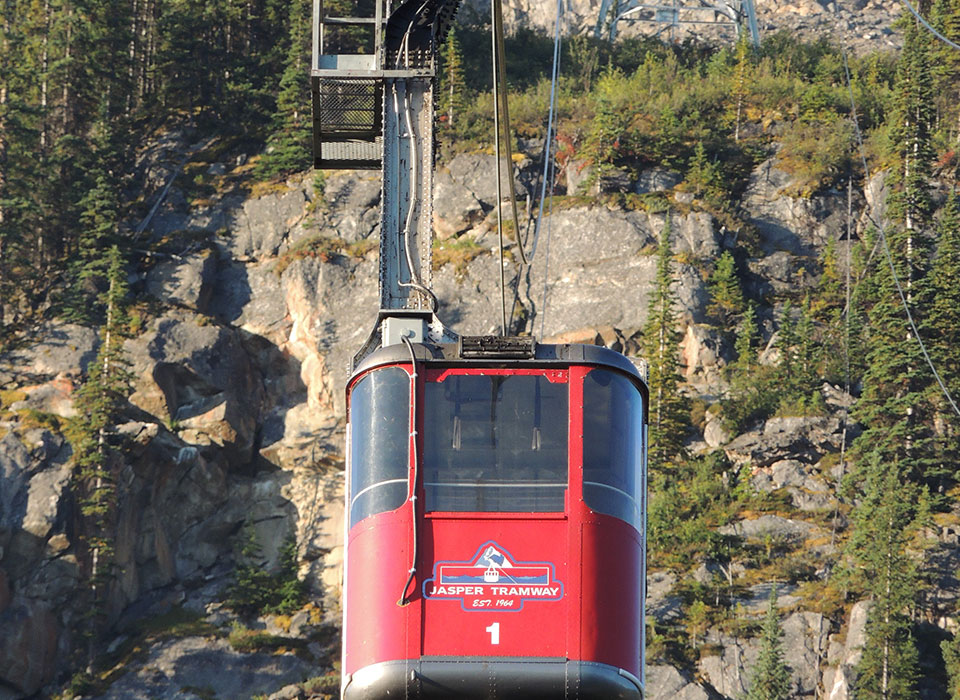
[(770, 679), (661, 338), (608, 136), (951, 659), (797, 372), (755, 390), (289, 146), (830, 290), (99, 403), (702, 175), (941, 326), (452, 85), (787, 343), (912, 126), (726, 299), (893, 406), (741, 77), (883, 524), (945, 62), (98, 229)]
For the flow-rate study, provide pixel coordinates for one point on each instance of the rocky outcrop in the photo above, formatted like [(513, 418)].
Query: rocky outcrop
[(236, 417), (807, 489), (208, 668), (791, 437), (862, 25), (668, 682), (844, 656), (804, 638)]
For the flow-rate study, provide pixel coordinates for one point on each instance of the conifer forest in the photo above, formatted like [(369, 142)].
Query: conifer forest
[(143, 137)]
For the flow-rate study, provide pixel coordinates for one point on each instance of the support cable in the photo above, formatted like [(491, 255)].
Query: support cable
[(496, 127), (508, 147), (548, 143), (412, 572), (886, 247)]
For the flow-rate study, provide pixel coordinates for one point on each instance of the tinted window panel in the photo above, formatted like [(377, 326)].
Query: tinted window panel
[(495, 444), (379, 442), (613, 446)]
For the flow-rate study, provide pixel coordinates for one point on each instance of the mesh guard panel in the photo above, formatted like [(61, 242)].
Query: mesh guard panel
[(347, 123)]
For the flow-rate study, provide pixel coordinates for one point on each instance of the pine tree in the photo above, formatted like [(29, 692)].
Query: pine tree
[(726, 299), (452, 85), (741, 77), (830, 290), (893, 406), (98, 228), (940, 325), (787, 343), (608, 136), (288, 148), (770, 679), (99, 403), (945, 62), (883, 524), (951, 658), (755, 390), (661, 338), (702, 175), (912, 126)]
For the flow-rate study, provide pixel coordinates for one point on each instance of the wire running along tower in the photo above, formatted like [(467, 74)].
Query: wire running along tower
[(373, 108)]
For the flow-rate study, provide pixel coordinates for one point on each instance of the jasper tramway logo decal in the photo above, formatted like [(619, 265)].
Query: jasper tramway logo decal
[(492, 580)]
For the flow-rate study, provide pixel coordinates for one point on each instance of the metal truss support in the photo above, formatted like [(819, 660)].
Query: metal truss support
[(740, 14)]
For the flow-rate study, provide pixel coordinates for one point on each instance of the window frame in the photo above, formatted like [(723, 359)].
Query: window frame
[(404, 437), (435, 375)]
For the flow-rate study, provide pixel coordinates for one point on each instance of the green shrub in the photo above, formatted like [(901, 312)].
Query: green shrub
[(247, 640), (255, 591), (818, 153)]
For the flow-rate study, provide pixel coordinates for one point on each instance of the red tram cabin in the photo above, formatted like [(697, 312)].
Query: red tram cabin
[(496, 505)]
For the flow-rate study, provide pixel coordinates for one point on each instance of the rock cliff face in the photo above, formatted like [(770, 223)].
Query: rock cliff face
[(237, 411), (861, 25)]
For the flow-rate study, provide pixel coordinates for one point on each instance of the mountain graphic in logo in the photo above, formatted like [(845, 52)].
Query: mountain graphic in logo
[(492, 579)]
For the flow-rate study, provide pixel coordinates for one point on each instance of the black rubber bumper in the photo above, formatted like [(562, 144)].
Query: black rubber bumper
[(459, 678)]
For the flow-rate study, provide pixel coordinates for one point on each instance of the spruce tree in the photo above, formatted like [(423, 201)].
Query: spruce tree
[(741, 77), (97, 457), (883, 525), (607, 137), (941, 326), (945, 62), (726, 299), (98, 229), (912, 132), (289, 146), (770, 679), (893, 406), (702, 175), (661, 338), (452, 85), (951, 658)]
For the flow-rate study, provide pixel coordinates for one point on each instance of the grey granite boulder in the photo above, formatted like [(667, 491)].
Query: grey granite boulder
[(184, 280)]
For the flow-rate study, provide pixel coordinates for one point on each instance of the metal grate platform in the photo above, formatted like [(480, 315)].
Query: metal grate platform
[(349, 154)]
